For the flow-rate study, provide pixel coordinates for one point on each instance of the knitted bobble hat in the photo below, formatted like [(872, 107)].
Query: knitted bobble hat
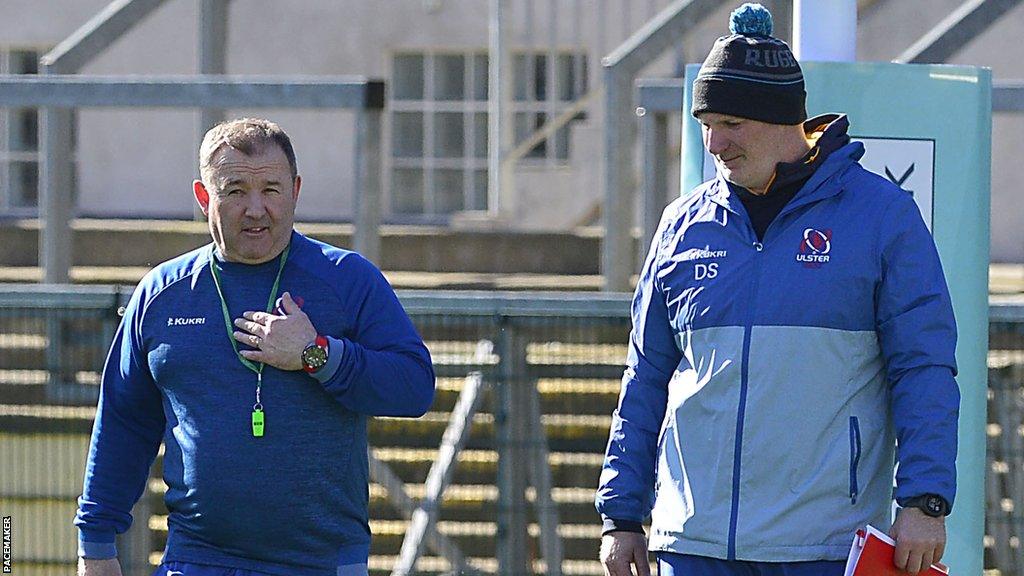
[(751, 74)]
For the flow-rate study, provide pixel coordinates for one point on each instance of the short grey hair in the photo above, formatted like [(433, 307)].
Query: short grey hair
[(250, 136)]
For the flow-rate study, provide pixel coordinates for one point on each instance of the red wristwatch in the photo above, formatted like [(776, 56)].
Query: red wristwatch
[(314, 357)]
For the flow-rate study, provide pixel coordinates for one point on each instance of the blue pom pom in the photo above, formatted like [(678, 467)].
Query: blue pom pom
[(751, 20)]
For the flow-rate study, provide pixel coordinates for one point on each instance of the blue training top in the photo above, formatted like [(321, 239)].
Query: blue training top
[(293, 502)]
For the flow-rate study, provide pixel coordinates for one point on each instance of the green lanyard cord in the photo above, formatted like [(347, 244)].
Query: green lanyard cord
[(258, 369)]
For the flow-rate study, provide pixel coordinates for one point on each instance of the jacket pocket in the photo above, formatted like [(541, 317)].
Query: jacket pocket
[(854, 457)]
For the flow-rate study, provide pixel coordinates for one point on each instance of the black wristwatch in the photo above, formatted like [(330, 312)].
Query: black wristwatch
[(931, 504)]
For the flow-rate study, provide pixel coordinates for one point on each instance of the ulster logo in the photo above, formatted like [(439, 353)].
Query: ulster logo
[(814, 247)]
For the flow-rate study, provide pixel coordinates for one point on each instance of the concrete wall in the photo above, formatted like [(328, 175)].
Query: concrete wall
[(141, 162)]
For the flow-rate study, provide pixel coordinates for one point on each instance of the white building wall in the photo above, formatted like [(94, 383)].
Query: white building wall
[(141, 162), (138, 161), (43, 23)]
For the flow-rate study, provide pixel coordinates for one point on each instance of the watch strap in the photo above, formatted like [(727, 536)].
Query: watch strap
[(610, 525), (931, 504)]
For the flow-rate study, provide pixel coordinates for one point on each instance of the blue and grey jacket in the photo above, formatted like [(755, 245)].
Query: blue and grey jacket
[(768, 382)]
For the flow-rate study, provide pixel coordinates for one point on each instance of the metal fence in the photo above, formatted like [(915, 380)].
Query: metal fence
[(497, 478), (1004, 479)]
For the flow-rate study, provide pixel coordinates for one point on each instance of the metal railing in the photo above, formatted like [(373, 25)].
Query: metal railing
[(491, 428), (1004, 477), (58, 95), (497, 478)]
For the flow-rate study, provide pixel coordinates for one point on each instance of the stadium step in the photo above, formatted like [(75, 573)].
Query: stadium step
[(479, 537), (564, 431), (100, 243), (578, 387), (399, 279), (569, 470), (42, 526)]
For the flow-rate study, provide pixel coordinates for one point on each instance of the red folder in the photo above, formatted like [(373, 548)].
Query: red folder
[(873, 553)]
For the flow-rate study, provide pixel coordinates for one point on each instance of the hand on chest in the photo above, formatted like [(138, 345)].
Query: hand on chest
[(198, 338)]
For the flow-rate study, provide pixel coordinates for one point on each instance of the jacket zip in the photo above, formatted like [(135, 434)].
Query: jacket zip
[(758, 246), (741, 410), (854, 457)]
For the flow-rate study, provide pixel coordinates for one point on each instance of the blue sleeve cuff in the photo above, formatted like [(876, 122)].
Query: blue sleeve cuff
[(612, 525), (96, 545), (335, 350), (925, 411)]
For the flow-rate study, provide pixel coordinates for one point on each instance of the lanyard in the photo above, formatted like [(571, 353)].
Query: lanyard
[(257, 408)]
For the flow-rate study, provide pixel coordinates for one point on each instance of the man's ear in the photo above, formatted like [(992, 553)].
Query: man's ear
[(202, 196), (295, 188)]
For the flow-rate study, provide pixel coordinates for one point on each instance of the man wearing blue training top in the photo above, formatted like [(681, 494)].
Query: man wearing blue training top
[(256, 361), (790, 325)]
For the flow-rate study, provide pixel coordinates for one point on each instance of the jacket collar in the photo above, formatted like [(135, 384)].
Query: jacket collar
[(827, 131)]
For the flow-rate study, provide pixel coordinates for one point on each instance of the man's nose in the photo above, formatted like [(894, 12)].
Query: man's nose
[(716, 142), (255, 206)]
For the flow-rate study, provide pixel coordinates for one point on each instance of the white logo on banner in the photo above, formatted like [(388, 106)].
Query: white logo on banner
[(909, 163)]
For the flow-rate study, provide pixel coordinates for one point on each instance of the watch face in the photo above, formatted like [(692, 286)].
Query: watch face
[(314, 357), (934, 505)]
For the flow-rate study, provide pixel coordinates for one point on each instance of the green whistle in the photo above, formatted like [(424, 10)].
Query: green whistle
[(257, 423)]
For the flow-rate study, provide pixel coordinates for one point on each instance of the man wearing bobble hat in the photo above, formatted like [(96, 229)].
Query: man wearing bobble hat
[(791, 327)]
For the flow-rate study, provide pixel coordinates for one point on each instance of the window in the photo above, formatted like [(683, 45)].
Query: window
[(19, 141), (438, 123)]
